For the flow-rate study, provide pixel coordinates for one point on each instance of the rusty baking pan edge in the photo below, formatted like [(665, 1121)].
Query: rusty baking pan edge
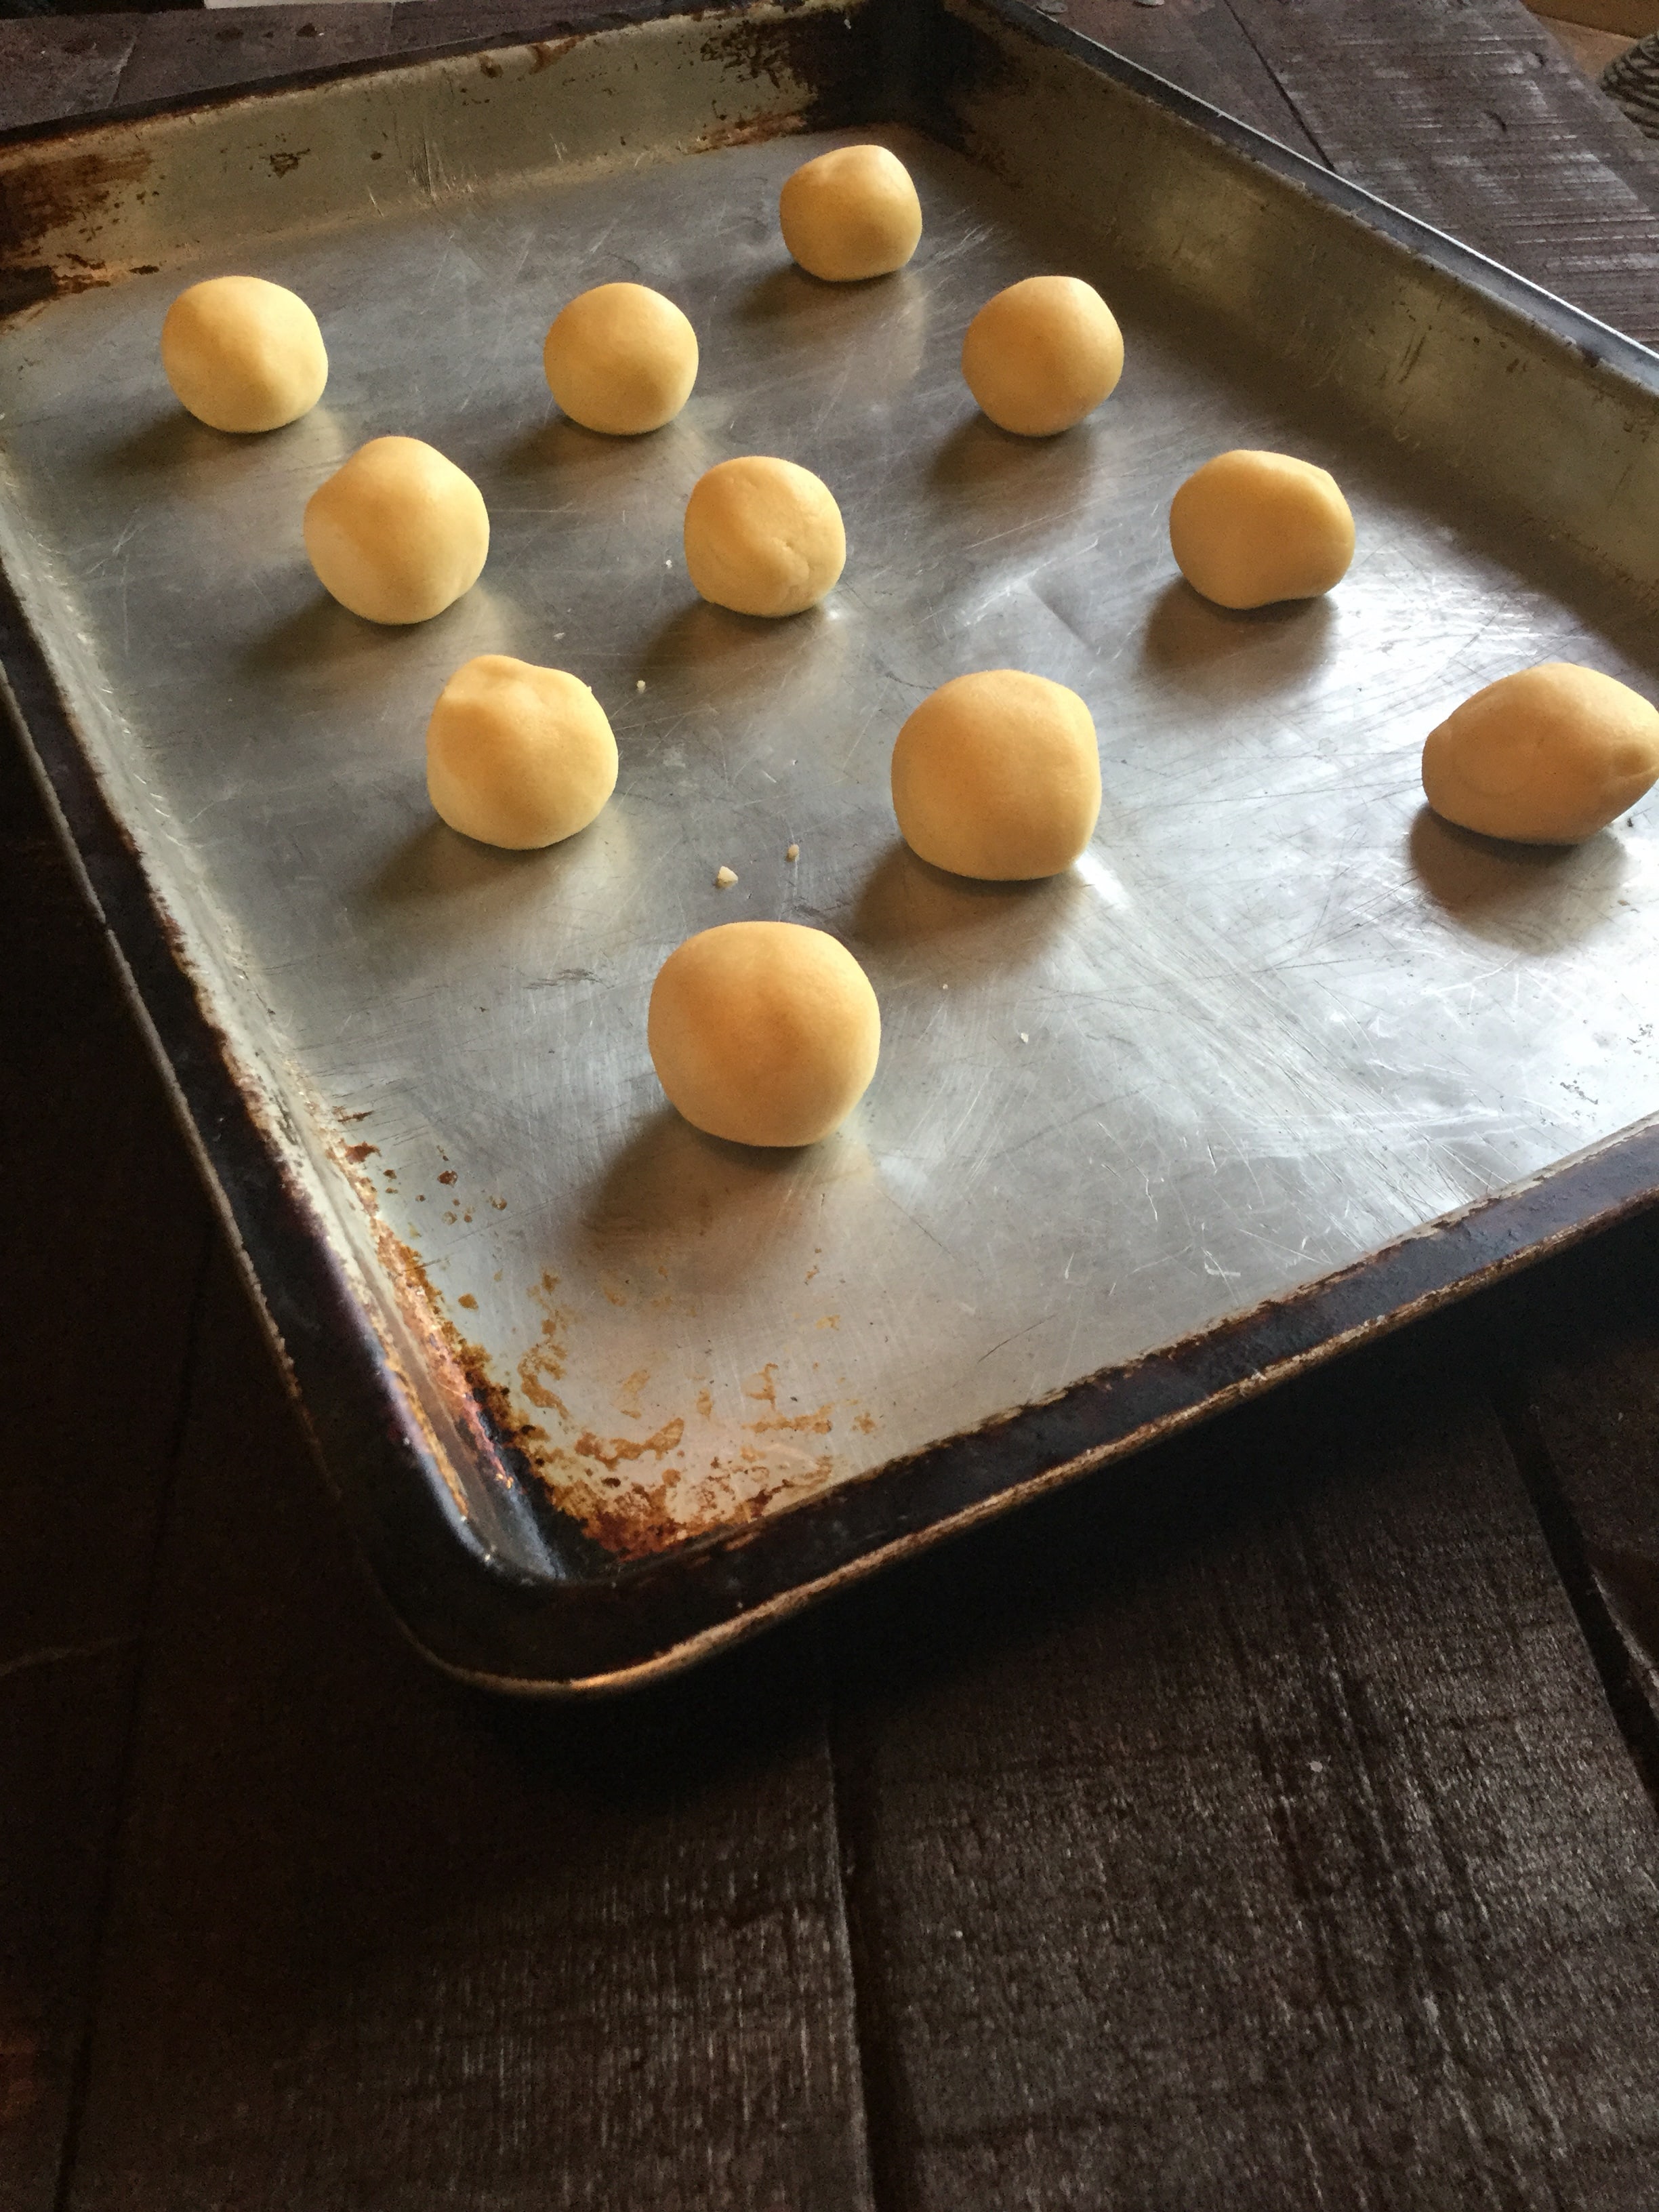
[(610, 1626)]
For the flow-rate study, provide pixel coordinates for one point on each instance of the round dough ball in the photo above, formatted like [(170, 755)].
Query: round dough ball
[(621, 359), (518, 755), (243, 355), (1041, 355), (851, 214), (1548, 757), (763, 537), (764, 1032), (1248, 529), (398, 534), (998, 776)]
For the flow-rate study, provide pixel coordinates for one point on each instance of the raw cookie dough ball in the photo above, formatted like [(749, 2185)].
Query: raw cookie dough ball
[(1041, 355), (621, 359), (243, 355), (764, 1032), (518, 755), (763, 537), (1248, 529), (397, 533), (851, 214), (1549, 756), (998, 776)]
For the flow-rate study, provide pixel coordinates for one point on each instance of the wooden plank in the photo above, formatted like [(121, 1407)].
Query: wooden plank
[(102, 1237), (379, 1943), (52, 68), (232, 46), (1200, 46), (1472, 118), (1262, 1840), (1581, 1401)]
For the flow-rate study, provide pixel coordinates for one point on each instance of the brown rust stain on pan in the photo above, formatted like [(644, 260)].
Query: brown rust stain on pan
[(629, 1518), (58, 196)]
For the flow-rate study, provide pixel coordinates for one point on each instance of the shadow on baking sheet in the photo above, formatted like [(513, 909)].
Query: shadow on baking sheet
[(1537, 898), (436, 862), (988, 471), (906, 901), (671, 1188), (732, 658), (1247, 653)]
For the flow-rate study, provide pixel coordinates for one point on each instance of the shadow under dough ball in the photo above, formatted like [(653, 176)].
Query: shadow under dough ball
[(1250, 529), (998, 776), (398, 532), (850, 214), (764, 1032), (518, 755), (1546, 756), (621, 359), (243, 355), (763, 537), (1041, 355)]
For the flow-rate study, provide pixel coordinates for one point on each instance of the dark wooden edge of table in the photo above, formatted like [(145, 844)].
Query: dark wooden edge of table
[(592, 1623)]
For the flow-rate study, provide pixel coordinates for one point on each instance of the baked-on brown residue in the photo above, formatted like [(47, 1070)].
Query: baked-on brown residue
[(818, 1424), (618, 1448)]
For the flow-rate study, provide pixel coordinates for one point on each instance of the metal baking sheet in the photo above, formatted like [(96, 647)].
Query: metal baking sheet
[(599, 1390)]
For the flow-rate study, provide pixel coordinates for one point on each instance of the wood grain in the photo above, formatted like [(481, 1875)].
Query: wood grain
[(102, 1237), (1581, 1393), (379, 1944), (1201, 46), (1471, 117), (1263, 1842)]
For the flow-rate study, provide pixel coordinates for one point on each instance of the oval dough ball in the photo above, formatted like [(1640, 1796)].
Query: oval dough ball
[(763, 537), (1548, 757), (764, 1032), (998, 776), (621, 359), (1248, 529), (243, 355), (851, 214), (518, 755), (1041, 355), (398, 534)]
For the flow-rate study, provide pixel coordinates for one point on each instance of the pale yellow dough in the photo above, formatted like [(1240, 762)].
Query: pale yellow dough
[(1248, 529), (851, 214), (998, 776), (763, 537), (1043, 354), (764, 1032), (243, 355), (1546, 757), (518, 755), (621, 359), (398, 534)]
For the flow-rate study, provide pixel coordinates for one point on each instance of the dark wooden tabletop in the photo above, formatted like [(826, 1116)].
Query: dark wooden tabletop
[(1269, 1823)]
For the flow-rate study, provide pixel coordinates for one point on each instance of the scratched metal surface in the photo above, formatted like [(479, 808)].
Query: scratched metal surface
[(1276, 1018)]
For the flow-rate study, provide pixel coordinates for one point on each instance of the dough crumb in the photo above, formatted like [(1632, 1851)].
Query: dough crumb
[(793, 852), (639, 685), (1024, 1038), (724, 877)]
